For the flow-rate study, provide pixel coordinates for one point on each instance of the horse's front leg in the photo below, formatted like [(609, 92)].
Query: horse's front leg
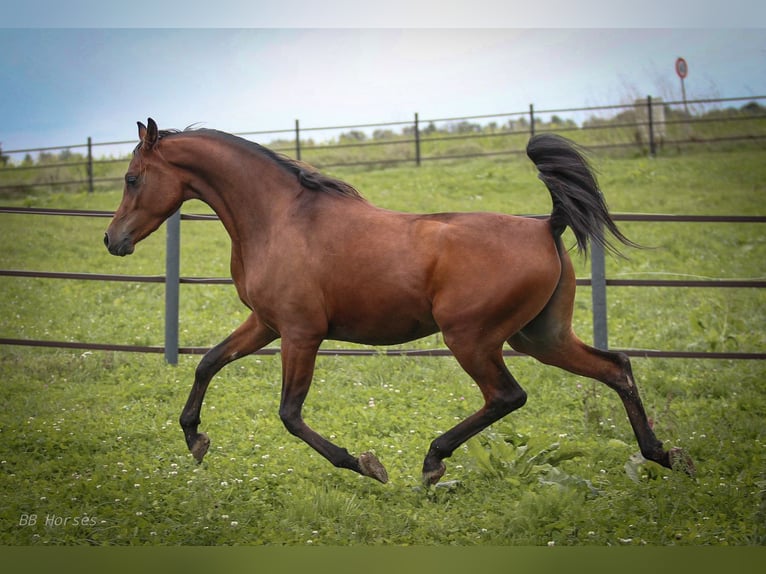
[(248, 338), (298, 360)]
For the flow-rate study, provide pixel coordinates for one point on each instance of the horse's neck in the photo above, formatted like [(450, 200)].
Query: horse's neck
[(247, 192)]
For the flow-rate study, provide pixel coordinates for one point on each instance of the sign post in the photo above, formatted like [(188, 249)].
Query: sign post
[(682, 69)]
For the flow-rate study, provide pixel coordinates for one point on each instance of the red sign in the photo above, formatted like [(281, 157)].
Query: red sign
[(681, 68)]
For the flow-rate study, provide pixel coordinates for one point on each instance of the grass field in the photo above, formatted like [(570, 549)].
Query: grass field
[(93, 455)]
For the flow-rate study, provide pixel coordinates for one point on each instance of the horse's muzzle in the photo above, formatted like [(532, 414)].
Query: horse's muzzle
[(121, 248)]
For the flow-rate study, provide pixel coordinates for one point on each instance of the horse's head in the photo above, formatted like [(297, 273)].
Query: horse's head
[(153, 192)]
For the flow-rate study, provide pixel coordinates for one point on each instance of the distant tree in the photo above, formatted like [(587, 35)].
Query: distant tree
[(464, 127), (382, 134), (676, 114), (280, 142), (752, 108), (558, 121), (3, 158), (354, 135), (429, 129), (628, 116), (722, 113)]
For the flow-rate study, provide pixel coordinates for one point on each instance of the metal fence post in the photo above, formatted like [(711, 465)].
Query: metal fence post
[(417, 140), (531, 120), (598, 295), (297, 140), (172, 276), (89, 167)]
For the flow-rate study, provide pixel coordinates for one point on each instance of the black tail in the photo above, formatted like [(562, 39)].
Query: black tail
[(577, 200)]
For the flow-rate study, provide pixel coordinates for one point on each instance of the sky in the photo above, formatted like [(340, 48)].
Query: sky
[(64, 80)]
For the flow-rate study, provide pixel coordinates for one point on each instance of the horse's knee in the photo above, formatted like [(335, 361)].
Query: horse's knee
[(207, 367), (290, 423), (291, 419), (623, 362), (519, 399), (507, 401), (620, 378)]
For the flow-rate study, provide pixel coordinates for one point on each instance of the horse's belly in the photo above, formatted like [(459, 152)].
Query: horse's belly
[(382, 324), (381, 336)]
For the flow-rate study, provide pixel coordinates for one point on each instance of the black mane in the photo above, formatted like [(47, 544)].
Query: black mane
[(307, 175)]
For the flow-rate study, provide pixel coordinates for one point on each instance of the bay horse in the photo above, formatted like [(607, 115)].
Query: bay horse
[(313, 260)]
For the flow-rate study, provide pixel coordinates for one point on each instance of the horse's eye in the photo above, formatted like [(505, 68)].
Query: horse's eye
[(131, 179)]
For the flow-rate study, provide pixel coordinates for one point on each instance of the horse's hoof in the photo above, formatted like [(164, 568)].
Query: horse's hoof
[(431, 477), (681, 461), (201, 444), (372, 467)]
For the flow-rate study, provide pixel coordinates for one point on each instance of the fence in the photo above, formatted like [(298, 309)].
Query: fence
[(648, 124), (172, 280)]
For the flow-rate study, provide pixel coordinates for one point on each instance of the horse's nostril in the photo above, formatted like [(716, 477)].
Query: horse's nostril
[(106, 239)]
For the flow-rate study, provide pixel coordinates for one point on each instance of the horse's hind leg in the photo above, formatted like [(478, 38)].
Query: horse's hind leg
[(549, 338), (502, 394), (248, 338), (613, 369)]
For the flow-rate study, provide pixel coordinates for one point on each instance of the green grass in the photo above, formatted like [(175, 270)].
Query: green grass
[(96, 434)]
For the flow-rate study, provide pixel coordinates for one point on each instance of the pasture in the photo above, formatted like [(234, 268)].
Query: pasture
[(92, 448)]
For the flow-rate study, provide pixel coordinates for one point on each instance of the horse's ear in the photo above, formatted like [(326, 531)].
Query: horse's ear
[(148, 135), (141, 130)]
